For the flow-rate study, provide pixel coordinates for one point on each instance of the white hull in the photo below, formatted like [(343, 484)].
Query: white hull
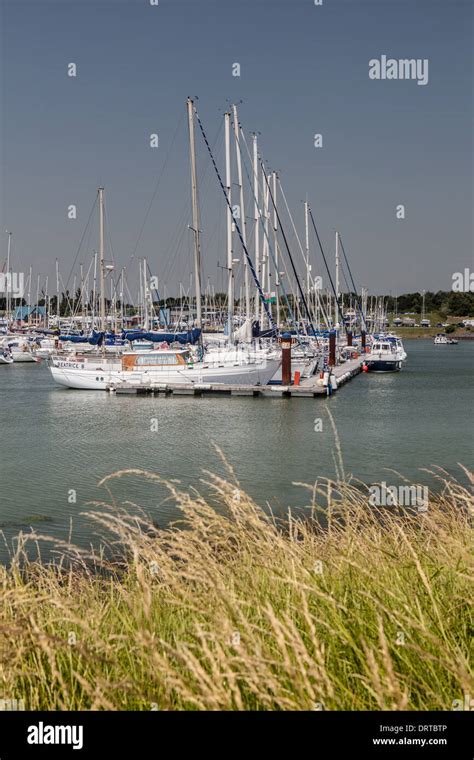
[(98, 379), (23, 356), (6, 359)]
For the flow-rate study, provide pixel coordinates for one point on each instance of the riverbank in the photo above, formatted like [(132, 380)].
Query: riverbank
[(407, 333), (240, 612)]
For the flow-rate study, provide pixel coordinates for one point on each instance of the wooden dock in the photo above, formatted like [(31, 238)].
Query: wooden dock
[(309, 387)]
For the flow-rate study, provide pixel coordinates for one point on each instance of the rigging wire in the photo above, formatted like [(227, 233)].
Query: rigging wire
[(326, 265), (237, 227)]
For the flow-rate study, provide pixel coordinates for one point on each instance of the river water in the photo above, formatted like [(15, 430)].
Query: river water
[(56, 444)]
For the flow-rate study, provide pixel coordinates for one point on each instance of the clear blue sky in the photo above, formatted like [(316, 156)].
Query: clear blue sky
[(304, 70)]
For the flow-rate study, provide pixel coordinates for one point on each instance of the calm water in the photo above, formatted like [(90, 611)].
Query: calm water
[(53, 440)]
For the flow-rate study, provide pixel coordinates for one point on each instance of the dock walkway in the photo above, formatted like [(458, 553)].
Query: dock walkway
[(309, 387)]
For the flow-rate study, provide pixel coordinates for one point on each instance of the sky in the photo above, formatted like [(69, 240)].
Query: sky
[(304, 70)]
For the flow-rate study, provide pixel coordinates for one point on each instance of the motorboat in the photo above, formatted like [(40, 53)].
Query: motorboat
[(442, 340), (384, 356), (5, 355)]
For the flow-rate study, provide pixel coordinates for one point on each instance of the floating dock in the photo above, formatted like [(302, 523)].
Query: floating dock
[(309, 387)]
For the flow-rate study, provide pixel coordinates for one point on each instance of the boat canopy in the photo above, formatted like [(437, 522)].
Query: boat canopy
[(96, 339), (190, 336)]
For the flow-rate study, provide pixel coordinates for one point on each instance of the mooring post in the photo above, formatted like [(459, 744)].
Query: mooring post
[(362, 341), (332, 348), (349, 338), (285, 342)]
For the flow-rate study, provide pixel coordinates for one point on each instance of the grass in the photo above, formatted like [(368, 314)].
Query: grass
[(235, 610)]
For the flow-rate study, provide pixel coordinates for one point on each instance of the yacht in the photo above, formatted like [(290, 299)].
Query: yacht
[(384, 356), (162, 367)]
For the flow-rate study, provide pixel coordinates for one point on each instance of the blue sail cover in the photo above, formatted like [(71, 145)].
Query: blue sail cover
[(74, 338), (190, 336), (96, 339)]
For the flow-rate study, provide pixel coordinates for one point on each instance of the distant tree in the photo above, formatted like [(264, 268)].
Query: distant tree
[(461, 304)]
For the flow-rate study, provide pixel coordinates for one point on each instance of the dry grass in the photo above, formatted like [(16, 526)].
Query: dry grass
[(231, 610)]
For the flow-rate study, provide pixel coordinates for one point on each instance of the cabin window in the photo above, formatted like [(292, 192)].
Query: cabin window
[(155, 360)]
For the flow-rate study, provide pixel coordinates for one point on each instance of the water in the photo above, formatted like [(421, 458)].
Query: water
[(55, 440)]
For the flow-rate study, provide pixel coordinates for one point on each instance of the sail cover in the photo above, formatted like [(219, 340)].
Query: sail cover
[(190, 336)]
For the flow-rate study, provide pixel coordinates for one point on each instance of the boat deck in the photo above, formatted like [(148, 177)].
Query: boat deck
[(308, 387)]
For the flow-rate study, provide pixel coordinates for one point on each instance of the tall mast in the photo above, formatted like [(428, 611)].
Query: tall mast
[(265, 253), (336, 313), (101, 259), (57, 292), (94, 292), (146, 323), (275, 245), (37, 299), (256, 216), (46, 303), (8, 302), (306, 238), (230, 282), (82, 295), (29, 295), (243, 220), (122, 313), (196, 219)]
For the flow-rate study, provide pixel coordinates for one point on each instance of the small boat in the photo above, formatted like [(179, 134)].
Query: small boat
[(442, 340), (5, 356), (22, 351), (384, 356)]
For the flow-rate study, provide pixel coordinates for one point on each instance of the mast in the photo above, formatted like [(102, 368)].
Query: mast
[(146, 323), (94, 291), (46, 303), (101, 259), (196, 219), (256, 216), (336, 314), (275, 245), (83, 316), (243, 219), (8, 300), (306, 238), (37, 299), (57, 291), (122, 313), (230, 281), (29, 296), (265, 281)]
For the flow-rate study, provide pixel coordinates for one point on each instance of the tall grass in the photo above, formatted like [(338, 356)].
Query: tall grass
[(232, 609)]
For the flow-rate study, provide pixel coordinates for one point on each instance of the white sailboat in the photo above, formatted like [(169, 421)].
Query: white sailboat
[(168, 365), (163, 367)]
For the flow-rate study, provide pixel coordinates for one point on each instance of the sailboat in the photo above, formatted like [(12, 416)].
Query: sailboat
[(230, 366)]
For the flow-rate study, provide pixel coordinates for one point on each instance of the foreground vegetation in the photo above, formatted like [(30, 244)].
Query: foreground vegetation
[(239, 612)]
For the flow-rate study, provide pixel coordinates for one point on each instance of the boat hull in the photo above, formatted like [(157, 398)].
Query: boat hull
[(95, 379), (23, 356), (383, 365)]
